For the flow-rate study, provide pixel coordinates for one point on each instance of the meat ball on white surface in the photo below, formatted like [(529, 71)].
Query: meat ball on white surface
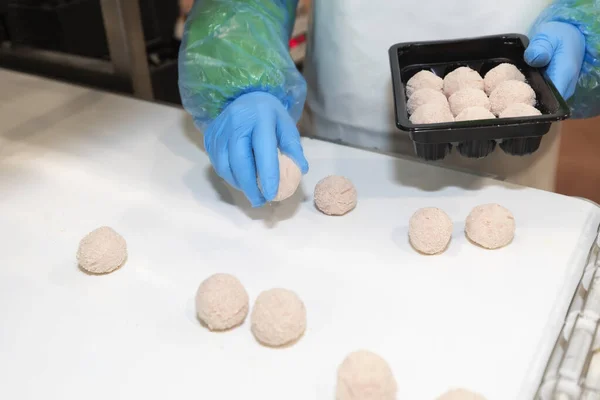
[(102, 251), (519, 110), (335, 195), (430, 230), (499, 74), (491, 226), (364, 375), (222, 302), (474, 113), (424, 79), (278, 317), (425, 96), (432, 113), (461, 394), (466, 98), (511, 92), (462, 78)]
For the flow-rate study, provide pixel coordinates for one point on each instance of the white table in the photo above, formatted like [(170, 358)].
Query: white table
[(73, 159)]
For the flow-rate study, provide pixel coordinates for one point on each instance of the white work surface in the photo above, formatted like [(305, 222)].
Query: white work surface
[(73, 159)]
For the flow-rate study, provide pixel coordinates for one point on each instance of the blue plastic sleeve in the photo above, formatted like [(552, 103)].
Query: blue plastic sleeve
[(233, 47)]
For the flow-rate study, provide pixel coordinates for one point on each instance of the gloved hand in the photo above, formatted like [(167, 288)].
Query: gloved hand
[(561, 47), (242, 144)]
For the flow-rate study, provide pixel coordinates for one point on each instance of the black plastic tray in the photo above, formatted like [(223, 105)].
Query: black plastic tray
[(476, 139)]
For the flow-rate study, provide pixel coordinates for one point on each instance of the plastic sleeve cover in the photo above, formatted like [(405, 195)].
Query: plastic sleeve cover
[(234, 47), (585, 15)]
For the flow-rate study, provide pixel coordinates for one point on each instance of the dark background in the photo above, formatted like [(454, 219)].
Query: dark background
[(76, 27)]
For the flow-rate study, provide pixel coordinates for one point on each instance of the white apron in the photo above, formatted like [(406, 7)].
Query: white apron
[(349, 80)]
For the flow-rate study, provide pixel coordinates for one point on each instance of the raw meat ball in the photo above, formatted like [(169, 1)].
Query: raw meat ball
[(491, 226), (425, 96), (466, 98), (278, 317), (289, 178), (499, 74), (364, 375), (102, 251), (432, 113), (462, 78), (430, 230), (424, 79), (474, 113), (221, 302), (335, 195), (511, 92), (519, 110), (461, 394)]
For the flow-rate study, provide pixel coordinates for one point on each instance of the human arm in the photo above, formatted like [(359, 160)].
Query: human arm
[(240, 84), (566, 40)]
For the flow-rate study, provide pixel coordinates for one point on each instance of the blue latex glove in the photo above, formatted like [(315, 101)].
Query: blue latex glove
[(242, 144), (561, 47)]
